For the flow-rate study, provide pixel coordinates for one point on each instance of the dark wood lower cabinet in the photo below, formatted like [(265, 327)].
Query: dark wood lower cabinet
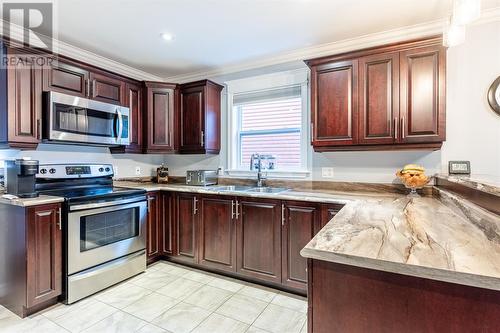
[(31, 247), (187, 227), (153, 228), (352, 299), (218, 232), (298, 225), (259, 239), (168, 239)]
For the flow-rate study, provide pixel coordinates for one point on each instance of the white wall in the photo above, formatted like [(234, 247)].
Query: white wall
[(473, 129)]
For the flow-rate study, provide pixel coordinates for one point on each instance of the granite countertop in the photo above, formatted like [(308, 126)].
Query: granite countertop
[(484, 183), (420, 237), (442, 238), (27, 202)]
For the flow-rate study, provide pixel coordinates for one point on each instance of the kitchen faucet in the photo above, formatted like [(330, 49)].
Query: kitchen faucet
[(260, 178)]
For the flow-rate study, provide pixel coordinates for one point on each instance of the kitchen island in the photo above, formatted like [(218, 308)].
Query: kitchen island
[(406, 265)]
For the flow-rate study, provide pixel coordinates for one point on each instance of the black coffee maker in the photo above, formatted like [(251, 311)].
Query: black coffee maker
[(20, 177)]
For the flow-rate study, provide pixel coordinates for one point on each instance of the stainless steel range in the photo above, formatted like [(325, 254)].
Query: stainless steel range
[(104, 227)]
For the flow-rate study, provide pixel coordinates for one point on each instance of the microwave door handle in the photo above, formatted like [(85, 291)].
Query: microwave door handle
[(120, 125)]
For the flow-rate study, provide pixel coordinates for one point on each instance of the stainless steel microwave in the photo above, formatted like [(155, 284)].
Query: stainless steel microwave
[(71, 119)]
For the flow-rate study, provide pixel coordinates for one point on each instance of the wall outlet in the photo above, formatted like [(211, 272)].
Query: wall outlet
[(327, 172), (137, 170)]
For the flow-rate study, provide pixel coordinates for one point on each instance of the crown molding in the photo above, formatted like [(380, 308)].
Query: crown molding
[(366, 41), (74, 52)]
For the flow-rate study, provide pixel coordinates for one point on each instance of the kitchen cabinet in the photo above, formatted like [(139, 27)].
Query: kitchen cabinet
[(159, 117), (299, 220), (334, 103), (199, 123), (187, 222), (107, 89), (134, 101), (382, 98), (379, 98), (168, 232), (328, 212), (44, 254), (31, 247), (259, 239), (423, 95), (66, 78), (154, 224), (218, 232), (21, 101)]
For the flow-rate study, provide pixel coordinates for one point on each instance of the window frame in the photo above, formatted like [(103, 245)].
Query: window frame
[(260, 84)]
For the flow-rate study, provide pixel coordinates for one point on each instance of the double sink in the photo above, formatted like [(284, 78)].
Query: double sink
[(247, 189)]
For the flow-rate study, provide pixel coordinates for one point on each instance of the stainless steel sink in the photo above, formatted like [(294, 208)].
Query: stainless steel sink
[(267, 189), (231, 188)]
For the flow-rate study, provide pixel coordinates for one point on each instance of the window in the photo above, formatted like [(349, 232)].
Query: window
[(271, 122)]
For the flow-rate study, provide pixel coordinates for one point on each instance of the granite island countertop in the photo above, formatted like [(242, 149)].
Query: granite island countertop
[(423, 237), (420, 237)]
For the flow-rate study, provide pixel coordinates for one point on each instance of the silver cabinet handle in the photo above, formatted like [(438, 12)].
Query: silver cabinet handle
[(202, 138), (232, 209), (195, 206), (59, 221), (93, 88), (402, 127), (396, 132), (237, 209), (149, 204), (282, 214), (312, 133)]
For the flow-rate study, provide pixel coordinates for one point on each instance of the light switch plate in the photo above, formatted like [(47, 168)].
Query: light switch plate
[(327, 172)]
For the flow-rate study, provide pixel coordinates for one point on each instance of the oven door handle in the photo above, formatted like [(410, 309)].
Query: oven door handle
[(105, 204)]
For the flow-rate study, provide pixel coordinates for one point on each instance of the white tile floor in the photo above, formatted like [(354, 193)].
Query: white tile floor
[(171, 298)]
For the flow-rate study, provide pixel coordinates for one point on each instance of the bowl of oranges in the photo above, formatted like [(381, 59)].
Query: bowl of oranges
[(413, 177)]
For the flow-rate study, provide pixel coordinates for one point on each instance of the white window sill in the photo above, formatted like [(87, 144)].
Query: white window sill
[(268, 174)]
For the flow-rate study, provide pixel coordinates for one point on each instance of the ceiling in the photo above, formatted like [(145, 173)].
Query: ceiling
[(211, 34)]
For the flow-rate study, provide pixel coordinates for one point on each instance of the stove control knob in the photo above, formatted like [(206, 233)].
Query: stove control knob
[(52, 171), (108, 169), (101, 169), (43, 171)]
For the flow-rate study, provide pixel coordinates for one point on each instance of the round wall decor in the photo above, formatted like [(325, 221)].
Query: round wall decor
[(494, 95)]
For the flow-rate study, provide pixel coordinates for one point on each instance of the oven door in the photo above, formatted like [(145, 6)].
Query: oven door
[(75, 119), (99, 235)]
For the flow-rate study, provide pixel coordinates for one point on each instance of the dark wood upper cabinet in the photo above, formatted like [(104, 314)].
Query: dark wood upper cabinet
[(44, 254), (259, 239), (423, 94), (379, 98), (21, 101), (382, 98), (218, 232), (153, 227), (107, 89), (66, 78), (334, 104), (134, 101), (299, 220), (199, 123), (159, 117), (187, 227)]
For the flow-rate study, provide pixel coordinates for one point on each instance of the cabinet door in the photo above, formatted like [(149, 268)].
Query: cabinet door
[(187, 227), (334, 104), (259, 239), (298, 224), (192, 120), (133, 100), (67, 79), (160, 119), (153, 227), (218, 232), (107, 89), (168, 228), (44, 258), (379, 98), (24, 80), (423, 95), (328, 211)]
